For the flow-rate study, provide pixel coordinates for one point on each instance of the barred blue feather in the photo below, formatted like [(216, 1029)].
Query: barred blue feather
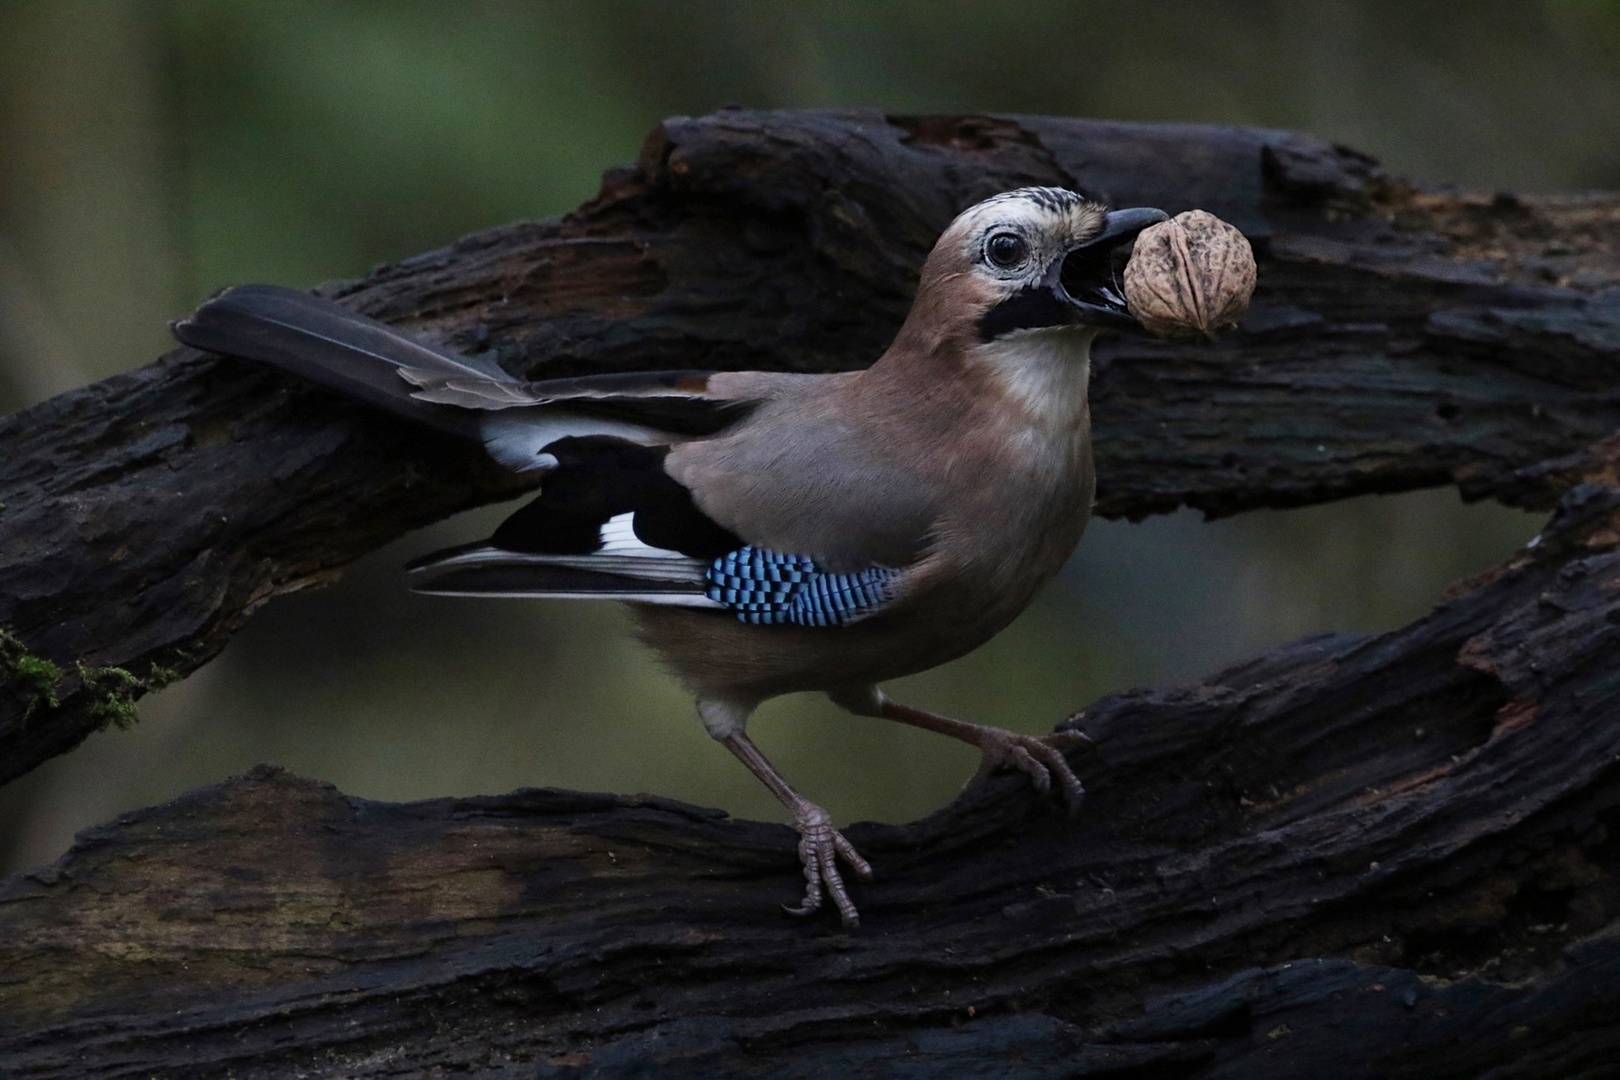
[(769, 588)]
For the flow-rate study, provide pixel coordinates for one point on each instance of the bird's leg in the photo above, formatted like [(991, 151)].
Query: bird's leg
[(1041, 756), (820, 845)]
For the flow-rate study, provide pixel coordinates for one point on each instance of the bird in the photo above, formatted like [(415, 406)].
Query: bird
[(784, 532)]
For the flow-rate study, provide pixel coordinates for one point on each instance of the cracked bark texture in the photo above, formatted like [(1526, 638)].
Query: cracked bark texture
[(1384, 856)]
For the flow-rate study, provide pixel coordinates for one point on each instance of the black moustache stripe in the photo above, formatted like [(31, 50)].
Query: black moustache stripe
[(1031, 308)]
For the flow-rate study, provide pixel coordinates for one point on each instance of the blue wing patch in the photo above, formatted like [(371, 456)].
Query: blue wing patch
[(768, 588)]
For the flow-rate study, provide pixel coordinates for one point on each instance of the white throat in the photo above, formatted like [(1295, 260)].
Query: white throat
[(1044, 371)]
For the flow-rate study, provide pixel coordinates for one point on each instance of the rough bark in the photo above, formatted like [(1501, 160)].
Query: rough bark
[(1379, 856), (1384, 856)]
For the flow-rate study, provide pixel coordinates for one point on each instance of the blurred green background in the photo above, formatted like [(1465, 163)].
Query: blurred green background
[(151, 152)]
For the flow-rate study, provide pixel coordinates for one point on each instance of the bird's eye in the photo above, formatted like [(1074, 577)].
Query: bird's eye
[(1006, 250)]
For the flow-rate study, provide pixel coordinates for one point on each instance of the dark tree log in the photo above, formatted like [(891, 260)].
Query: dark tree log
[(1402, 337), (1386, 856), (1357, 856)]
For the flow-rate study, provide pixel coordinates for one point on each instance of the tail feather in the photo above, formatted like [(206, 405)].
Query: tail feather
[(342, 350), (361, 358)]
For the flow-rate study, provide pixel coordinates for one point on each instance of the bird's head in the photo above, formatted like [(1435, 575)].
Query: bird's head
[(1028, 260)]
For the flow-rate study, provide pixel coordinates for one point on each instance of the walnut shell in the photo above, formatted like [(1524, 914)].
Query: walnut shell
[(1190, 275)]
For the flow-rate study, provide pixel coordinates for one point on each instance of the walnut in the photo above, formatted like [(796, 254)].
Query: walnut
[(1190, 275)]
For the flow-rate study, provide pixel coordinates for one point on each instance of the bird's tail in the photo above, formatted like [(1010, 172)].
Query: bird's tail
[(342, 350), (470, 396)]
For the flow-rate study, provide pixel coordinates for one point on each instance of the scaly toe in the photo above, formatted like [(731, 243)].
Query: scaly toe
[(1027, 762), (1073, 791), (1039, 757), (820, 847)]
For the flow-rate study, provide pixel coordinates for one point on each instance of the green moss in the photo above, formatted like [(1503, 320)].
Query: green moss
[(159, 676), (28, 676), (109, 692), (112, 693)]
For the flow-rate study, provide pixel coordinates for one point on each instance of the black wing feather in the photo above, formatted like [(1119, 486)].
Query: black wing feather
[(529, 579), (600, 478)]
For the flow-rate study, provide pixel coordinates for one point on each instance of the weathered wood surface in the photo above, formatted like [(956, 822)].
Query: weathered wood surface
[(1384, 856)]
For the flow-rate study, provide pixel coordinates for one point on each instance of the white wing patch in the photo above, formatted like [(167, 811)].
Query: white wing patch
[(619, 538), (518, 437)]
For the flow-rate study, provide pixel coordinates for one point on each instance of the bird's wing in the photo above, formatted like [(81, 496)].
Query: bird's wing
[(765, 588), (612, 519), (612, 522), (519, 421), (677, 402)]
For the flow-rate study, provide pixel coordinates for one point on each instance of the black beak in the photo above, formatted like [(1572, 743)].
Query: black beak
[(1087, 278)]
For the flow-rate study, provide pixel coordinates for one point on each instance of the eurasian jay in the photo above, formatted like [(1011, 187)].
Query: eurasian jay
[(784, 532)]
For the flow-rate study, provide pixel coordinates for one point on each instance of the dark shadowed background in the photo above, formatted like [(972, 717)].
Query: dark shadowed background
[(151, 152)]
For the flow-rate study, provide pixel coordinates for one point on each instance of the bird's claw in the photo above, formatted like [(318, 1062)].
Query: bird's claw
[(820, 848), (1040, 756)]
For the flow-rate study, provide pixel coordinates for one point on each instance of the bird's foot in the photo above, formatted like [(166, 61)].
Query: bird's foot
[(1041, 756), (820, 847)]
